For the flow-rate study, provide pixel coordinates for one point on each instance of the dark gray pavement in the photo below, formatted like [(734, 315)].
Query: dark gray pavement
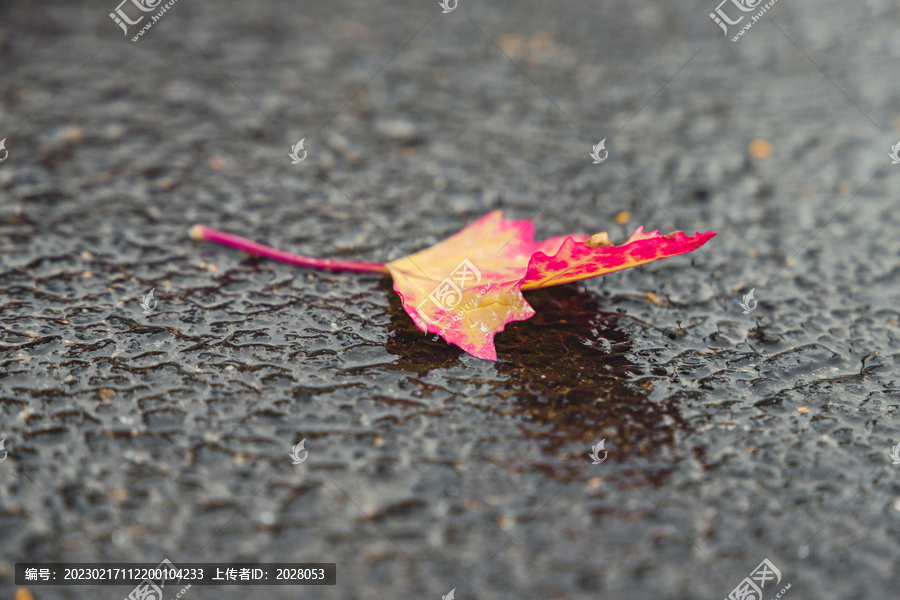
[(732, 437)]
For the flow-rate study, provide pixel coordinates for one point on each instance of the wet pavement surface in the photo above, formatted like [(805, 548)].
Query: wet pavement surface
[(731, 437)]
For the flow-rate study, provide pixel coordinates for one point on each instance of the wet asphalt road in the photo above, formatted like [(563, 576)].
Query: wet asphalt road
[(731, 437)]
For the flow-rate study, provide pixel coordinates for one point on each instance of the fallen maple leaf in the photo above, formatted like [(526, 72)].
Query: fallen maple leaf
[(469, 286)]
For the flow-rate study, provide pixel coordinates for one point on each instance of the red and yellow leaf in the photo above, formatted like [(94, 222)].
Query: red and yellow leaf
[(469, 286)]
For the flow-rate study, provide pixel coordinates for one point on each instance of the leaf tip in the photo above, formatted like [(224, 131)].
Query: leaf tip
[(486, 352)]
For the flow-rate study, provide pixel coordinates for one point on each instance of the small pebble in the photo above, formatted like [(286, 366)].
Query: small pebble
[(760, 149), (216, 162), (397, 129), (512, 44)]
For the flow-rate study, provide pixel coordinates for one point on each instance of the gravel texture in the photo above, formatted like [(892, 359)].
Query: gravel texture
[(731, 437)]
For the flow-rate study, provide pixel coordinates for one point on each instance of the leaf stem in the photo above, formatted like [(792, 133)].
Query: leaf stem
[(200, 232)]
